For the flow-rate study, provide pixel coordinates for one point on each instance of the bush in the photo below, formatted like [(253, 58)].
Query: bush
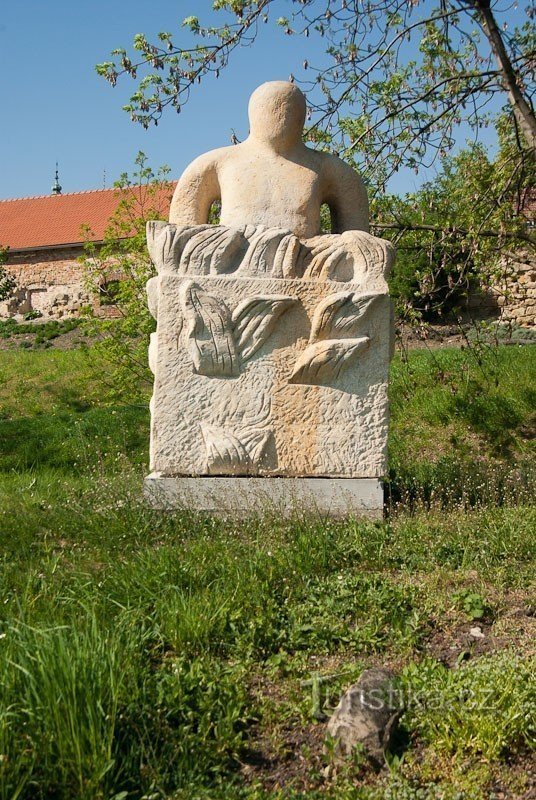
[(123, 342), (7, 282)]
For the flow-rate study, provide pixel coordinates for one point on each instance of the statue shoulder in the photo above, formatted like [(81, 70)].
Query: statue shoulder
[(334, 168), (208, 162)]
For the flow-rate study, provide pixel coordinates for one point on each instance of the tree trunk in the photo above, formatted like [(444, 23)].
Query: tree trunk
[(521, 108)]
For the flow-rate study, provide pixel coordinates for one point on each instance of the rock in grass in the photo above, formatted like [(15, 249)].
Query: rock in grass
[(365, 718), (476, 633)]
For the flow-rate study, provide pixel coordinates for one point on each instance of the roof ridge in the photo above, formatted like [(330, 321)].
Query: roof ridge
[(64, 194), (82, 191)]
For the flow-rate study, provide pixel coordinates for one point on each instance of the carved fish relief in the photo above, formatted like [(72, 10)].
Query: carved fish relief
[(325, 357), (219, 342)]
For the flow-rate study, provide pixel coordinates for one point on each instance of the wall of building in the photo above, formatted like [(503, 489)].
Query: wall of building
[(517, 292), (50, 282)]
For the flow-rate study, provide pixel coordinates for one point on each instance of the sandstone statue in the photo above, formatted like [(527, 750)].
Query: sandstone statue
[(273, 340)]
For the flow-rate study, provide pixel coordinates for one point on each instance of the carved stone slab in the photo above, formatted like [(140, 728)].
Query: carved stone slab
[(264, 376)]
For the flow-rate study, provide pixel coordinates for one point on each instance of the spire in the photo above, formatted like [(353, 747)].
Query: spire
[(56, 189)]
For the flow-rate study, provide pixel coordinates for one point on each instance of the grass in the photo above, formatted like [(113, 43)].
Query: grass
[(459, 421), (43, 333), (150, 655)]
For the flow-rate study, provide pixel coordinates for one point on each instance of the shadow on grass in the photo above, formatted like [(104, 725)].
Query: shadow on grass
[(496, 417), (75, 442)]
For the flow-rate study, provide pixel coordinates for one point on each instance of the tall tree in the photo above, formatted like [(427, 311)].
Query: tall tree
[(402, 81), (458, 230)]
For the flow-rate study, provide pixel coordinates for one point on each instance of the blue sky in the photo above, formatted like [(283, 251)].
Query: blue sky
[(57, 108)]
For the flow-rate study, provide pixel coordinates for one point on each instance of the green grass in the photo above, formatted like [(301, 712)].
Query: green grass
[(457, 424), (169, 655), (470, 401), (46, 330), (131, 640), (52, 416)]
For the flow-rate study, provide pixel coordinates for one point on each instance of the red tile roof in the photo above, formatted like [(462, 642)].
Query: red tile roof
[(32, 222)]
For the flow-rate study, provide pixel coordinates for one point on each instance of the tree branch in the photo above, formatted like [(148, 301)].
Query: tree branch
[(522, 111), (453, 230)]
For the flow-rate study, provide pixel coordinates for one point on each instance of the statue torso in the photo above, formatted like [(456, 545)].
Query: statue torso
[(265, 188)]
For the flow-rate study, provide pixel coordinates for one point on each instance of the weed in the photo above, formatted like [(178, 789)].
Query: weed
[(484, 708)]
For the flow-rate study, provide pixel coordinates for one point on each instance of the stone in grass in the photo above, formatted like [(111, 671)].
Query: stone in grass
[(365, 718)]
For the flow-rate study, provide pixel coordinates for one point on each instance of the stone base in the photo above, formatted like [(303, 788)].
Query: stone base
[(240, 497)]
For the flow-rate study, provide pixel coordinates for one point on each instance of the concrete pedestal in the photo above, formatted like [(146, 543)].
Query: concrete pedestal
[(240, 496)]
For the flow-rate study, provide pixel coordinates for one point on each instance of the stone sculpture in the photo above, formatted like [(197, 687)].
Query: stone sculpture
[(273, 340)]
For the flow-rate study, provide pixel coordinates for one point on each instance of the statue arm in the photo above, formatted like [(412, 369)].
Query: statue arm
[(195, 192), (346, 196)]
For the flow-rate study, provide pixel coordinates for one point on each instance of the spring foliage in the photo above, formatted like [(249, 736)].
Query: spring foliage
[(7, 283), (117, 271)]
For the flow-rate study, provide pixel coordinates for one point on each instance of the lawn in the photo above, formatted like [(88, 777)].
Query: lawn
[(150, 655)]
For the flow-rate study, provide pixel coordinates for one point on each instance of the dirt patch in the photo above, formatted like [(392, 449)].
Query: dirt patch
[(512, 627), (286, 748), (428, 337)]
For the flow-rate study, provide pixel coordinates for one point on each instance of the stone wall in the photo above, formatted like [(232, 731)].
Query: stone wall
[(51, 282), (516, 293)]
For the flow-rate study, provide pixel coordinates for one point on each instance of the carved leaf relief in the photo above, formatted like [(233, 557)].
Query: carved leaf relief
[(219, 342), (271, 252), (209, 332), (234, 453), (323, 362), (165, 243), (254, 320), (339, 314)]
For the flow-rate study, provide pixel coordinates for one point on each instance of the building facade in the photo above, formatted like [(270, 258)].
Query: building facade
[(46, 236)]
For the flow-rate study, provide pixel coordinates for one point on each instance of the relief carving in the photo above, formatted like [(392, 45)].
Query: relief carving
[(323, 362), (219, 342), (268, 252), (239, 441), (271, 252), (234, 453), (325, 357), (194, 250)]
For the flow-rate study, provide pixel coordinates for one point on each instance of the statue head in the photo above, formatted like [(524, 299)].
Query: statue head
[(277, 114)]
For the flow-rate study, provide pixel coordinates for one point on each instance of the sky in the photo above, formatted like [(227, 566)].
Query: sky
[(56, 108)]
